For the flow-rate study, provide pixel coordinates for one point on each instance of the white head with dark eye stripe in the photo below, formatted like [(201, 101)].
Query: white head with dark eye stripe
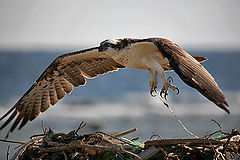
[(113, 44), (109, 44)]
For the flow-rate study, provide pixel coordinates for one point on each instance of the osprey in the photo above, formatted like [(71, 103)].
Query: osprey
[(155, 55)]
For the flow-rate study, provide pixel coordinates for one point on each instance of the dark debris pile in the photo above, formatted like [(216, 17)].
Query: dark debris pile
[(101, 146), (218, 148)]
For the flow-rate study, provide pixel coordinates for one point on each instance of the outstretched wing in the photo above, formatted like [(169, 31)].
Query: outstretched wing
[(191, 72), (64, 73)]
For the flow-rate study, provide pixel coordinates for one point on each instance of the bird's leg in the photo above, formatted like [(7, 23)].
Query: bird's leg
[(164, 89), (166, 84), (155, 66), (154, 81)]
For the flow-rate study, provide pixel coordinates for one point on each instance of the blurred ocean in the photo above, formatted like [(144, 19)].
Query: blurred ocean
[(120, 100)]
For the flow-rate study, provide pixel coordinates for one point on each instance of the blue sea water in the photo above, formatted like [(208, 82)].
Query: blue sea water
[(120, 100)]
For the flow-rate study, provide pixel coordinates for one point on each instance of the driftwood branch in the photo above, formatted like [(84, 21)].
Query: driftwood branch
[(182, 141), (125, 133)]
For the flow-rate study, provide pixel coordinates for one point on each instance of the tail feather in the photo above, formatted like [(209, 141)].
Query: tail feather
[(200, 59)]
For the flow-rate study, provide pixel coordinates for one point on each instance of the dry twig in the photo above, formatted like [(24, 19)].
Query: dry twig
[(77, 144), (23, 147), (8, 152), (179, 121)]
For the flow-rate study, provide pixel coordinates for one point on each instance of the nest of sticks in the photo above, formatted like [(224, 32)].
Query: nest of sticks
[(101, 145), (75, 146)]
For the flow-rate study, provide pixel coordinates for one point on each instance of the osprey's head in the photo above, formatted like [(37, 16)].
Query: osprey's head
[(113, 44)]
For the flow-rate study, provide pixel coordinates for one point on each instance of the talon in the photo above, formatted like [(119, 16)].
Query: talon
[(177, 91), (165, 92), (165, 96), (172, 86), (151, 92), (153, 88), (161, 94), (169, 79)]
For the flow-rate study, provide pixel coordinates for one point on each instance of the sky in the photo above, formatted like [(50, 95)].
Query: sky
[(64, 23)]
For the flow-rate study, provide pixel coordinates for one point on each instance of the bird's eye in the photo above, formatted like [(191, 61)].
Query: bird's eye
[(105, 44), (108, 44)]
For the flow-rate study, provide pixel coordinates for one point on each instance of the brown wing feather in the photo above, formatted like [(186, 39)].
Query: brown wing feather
[(65, 73), (192, 72)]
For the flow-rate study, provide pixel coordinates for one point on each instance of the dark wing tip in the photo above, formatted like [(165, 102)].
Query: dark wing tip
[(12, 116), (9, 119), (224, 106)]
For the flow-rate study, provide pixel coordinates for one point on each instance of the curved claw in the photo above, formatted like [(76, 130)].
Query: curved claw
[(151, 92), (177, 91), (161, 94), (165, 95)]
